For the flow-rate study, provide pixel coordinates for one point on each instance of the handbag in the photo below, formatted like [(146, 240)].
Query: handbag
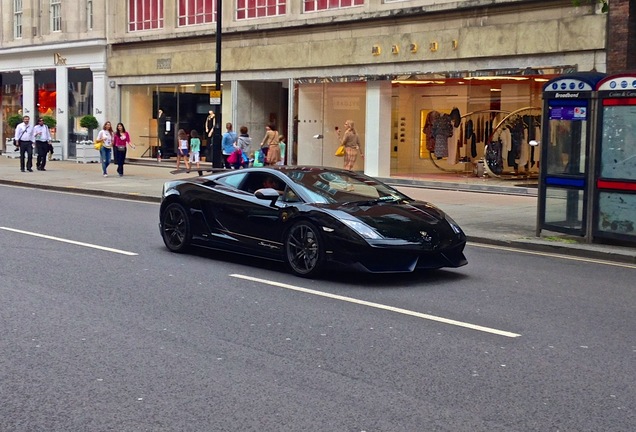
[(98, 144), (235, 157), (340, 151)]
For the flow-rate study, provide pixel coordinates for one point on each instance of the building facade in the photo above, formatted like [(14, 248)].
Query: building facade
[(394, 67), (53, 61)]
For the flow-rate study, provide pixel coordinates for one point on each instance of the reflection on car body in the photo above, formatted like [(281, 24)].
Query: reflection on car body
[(311, 218)]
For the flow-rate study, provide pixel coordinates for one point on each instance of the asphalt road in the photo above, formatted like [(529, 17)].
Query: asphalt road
[(131, 337)]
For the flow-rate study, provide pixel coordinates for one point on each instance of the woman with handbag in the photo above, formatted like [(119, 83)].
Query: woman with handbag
[(269, 145), (121, 141), (351, 143), (105, 136)]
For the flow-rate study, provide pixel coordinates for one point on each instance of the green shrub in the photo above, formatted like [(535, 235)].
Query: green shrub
[(14, 120), (49, 121), (89, 122)]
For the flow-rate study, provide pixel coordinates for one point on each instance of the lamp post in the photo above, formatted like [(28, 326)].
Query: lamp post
[(217, 155)]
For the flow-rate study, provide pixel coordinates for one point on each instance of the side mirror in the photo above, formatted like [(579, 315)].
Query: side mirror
[(268, 194)]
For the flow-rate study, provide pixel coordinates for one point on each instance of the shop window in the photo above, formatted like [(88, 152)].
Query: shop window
[(193, 12), (17, 19), (56, 15), (145, 15), (321, 5), (246, 9)]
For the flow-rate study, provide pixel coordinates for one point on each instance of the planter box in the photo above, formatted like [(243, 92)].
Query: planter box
[(57, 150), (86, 153)]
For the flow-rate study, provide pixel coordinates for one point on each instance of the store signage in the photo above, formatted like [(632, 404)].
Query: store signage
[(164, 63), (58, 60), (346, 103)]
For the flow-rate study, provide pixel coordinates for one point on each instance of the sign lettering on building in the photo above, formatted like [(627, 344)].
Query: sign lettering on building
[(346, 103), (164, 63), (58, 60)]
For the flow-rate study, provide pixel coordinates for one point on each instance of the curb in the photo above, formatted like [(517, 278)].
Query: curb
[(82, 191), (572, 249), (461, 187)]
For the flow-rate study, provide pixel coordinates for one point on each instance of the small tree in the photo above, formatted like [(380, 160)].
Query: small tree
[(14, 120), (49, 121), (89, 122)]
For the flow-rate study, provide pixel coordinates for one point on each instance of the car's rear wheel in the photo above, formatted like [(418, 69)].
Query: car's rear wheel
[(175, 228), (304, 249)]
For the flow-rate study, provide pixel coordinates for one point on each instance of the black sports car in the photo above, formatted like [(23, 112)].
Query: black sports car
[(310, 218)]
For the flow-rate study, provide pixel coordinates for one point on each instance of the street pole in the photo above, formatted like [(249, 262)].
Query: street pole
[(217, 155)]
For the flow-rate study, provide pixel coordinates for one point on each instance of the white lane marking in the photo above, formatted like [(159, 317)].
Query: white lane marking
[(381, 306), (554, 255), (107, 249)]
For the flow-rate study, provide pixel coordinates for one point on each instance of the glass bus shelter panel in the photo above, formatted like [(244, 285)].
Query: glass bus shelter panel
[(618, 148), (564, 208), (567, 147), (617, 214)]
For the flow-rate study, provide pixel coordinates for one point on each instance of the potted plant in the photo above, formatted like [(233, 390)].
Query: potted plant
[(85, 152), (89, 122), (13, 121)]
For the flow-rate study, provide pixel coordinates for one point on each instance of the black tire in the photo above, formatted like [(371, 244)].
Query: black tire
[(304, 249), (175, 228)]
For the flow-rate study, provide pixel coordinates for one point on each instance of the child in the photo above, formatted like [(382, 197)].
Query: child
[(195, 148), (182, 150), (283, 146)]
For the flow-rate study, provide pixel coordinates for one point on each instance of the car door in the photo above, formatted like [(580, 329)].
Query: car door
[(246, 223)]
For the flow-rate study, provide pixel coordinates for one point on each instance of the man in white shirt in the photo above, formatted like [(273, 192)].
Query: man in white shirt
[(24, 138), (42, 137)]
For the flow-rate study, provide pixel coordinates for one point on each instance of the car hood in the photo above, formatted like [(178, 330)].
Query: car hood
[(405, 220)]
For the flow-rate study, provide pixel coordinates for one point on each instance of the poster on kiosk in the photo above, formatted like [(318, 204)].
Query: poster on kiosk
[(615, 188)]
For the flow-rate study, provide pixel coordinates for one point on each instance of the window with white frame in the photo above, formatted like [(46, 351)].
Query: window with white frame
[(145, 15), (246, 9), (89, 14), (17, 19), (196, 12), (320, 5), (56, 15)]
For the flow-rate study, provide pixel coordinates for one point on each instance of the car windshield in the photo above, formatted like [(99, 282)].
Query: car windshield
[(334, 187)]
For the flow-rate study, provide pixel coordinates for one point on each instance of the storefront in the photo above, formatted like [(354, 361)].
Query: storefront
[(417, 124), (64, 82)]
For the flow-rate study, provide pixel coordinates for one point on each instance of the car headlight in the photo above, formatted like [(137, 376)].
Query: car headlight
[(363, 229), (453, 225)]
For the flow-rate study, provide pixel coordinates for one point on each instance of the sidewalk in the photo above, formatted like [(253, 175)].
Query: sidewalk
[(490, 211)]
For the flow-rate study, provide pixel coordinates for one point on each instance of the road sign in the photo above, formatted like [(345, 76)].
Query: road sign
[(215, 97)]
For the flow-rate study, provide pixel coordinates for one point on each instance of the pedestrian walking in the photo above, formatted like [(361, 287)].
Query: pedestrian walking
[(183, 149), (121, 144), (43, 139), (106, 137), (283, 148), (24, 139), (195, 149), (269, 145), (244, 143), (351, 143), (227, 144)]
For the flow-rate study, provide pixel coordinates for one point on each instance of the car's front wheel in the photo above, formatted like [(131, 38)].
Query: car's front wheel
[(175, 228), (304, 249)]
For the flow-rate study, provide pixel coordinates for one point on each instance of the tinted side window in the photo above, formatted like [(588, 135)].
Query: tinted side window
[(232, 180)]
